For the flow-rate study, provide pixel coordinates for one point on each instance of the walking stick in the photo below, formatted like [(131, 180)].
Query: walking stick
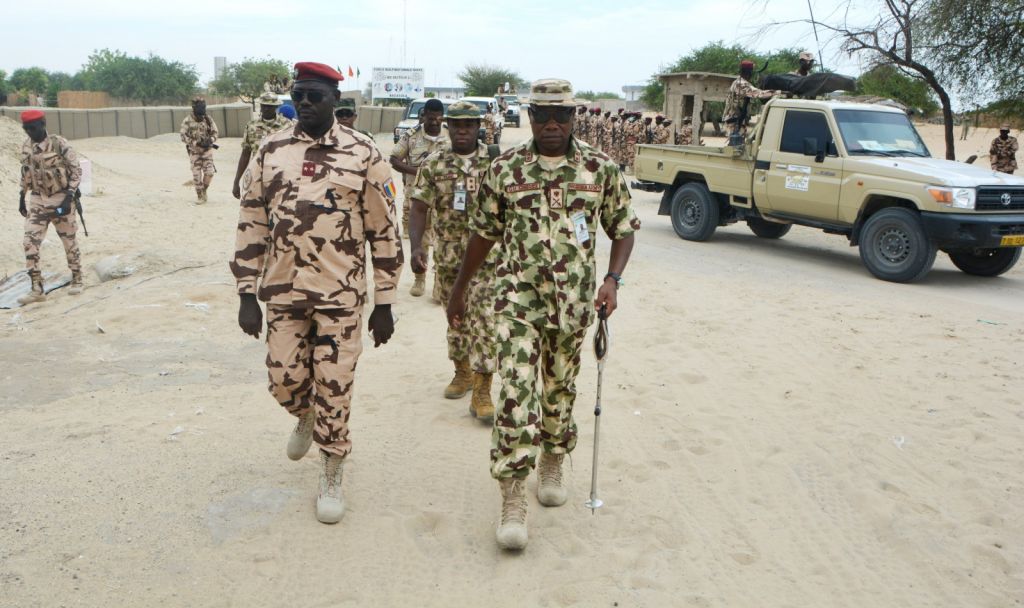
[(601, 351)]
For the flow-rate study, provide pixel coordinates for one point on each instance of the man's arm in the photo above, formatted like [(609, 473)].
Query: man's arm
[(620, 223), (400, 156), (71, 164), (380, 227), (422, 193), (214, 132), (476, 253), (243, 162), (252, 240), (183, 131), (487, 219)]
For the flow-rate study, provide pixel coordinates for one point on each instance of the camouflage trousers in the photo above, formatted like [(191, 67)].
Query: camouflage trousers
[(529, 417), (311, 362), (40, 216), (202, 170), (474, 339)]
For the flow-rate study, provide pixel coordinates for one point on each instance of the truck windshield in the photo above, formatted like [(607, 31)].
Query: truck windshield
[(870, 133), (415, 108)]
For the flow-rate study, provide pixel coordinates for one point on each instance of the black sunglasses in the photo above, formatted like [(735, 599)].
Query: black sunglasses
[(343, 113), (313, 96), (543, 114)]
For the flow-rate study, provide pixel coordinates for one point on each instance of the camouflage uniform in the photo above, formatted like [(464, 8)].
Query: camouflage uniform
[(738, 92), (436, 183), (413, 147), (685, 135), (257, 129), (544, 286), (581, 127), (1003, 154), (609, 141), (662, 134), (633, 135), (309, 210), (49, 170), (193, 131), (489, 127)]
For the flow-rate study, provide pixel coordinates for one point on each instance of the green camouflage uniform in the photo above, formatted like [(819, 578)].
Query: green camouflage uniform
[(413, 147), (544, 287), (257, 129), (436, 184)]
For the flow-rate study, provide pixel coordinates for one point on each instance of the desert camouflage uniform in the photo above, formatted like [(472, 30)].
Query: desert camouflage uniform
[(544, 287), (489, 127), (739, 90), (309, 210), (1003, 154), (609, 140), (685, 135), (596, 131), (661, 134), (580, 127), (257, 129), (436, 182), (49, 170), (414, 147), (192, 132), (633, 135)]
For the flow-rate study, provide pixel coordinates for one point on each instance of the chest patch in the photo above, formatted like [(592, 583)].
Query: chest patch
[(308, 168), (522, 188), (585, 187)]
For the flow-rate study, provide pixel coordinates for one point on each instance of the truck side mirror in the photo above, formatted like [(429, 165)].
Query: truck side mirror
[(832, 149)]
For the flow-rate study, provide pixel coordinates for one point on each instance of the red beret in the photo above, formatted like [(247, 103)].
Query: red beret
[(309, 70), (30, 115), (746, 63)]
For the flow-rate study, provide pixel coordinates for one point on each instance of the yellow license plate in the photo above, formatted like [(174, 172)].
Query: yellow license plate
[(1016, 240)]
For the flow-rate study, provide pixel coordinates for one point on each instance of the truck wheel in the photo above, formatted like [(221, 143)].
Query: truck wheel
[(985, 262), (767, 230), (694, 212), (895, 247)]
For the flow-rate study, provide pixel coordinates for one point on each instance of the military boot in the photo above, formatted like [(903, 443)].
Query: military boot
[(511, 533), (418, 285), (461, 383), (330, 504), (551, 491), (36, 294), (76, 283), (302, 435), (481, 407), (200, 196)]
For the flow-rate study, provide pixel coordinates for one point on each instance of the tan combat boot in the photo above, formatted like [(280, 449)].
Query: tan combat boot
[(481, 407), (330, 504), (36, 294), (511, 533), (461, 383), (302, 435), (418, 285), (551, 491), (76, 283)]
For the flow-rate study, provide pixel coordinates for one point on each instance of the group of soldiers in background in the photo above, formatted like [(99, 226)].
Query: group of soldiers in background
[(618, 135)]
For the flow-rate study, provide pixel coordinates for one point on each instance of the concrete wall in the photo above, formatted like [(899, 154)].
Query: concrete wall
[(134, 122)]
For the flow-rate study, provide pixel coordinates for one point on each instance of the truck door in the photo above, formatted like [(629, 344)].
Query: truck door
[(805, 171)]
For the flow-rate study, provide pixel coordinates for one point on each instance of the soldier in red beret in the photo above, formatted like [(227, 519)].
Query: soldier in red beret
[(314, 198), (50, 174)]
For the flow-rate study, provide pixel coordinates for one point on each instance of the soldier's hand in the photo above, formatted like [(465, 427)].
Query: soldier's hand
[(236, 191), (419, 260), (65, 205), (607, 296), (382, 324), (456, 308), (250, 316), (22, 209)]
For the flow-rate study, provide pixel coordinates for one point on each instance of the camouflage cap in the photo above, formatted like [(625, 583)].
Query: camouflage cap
[(1004, 127), (347, 103), (807, 56), (463, 110), (269, 99), (198, 98), (551, 92)]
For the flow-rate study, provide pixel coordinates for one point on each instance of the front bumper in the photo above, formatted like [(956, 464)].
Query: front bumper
[(971, 230)]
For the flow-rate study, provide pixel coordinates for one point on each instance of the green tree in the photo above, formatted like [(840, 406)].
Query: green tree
[(719, 58), (887, 81), (594, 95), (149, 80), (58, 81), (246, 78), (483, 80), (30, 80), (4, 85)]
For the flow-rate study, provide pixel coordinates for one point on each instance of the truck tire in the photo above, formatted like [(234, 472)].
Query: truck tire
[(895, 247), (985, 262), (767, 230), (694, 212)]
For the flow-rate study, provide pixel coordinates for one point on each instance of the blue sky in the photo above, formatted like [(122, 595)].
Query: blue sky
[(598, 45)]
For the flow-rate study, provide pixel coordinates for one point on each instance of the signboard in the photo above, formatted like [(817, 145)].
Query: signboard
[(397, 83)]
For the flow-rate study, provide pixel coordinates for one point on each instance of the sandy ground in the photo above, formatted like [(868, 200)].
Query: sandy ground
[(780, 429)]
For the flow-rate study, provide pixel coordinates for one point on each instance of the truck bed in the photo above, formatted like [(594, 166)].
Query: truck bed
[(726, 170)]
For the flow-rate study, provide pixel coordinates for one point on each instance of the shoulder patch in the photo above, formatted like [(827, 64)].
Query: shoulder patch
[(389, 189)]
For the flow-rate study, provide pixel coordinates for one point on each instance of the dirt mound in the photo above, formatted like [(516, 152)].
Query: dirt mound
[(11, 138)]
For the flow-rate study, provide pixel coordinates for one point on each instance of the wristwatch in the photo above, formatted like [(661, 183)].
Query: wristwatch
[(618, 279)]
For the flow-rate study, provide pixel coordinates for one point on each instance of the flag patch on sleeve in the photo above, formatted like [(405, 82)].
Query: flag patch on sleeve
[(389, 189)]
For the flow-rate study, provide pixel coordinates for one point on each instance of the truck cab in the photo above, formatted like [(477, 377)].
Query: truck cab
[(860, 170)]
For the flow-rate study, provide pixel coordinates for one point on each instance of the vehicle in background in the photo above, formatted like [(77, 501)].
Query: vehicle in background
[(411, 118), (499, 120), (855, 169)]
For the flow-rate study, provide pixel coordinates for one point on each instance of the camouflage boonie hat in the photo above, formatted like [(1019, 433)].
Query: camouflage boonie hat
[(463, 110), (551, 92), (269, 99), (1004, 127), (347, 103), (196, 98), (807, 56)]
